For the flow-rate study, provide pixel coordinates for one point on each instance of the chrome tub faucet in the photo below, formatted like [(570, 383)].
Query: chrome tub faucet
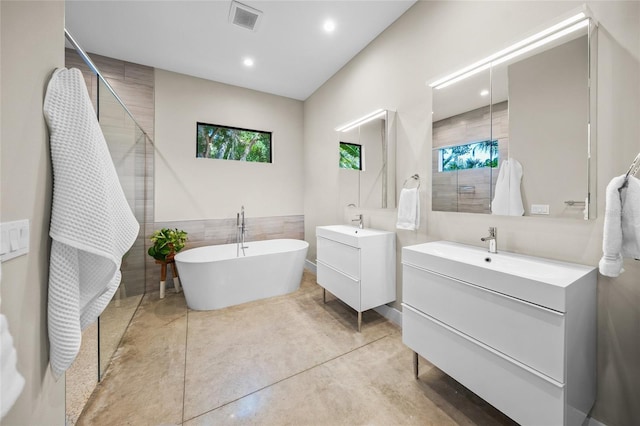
[(241, 230), (359, 220)]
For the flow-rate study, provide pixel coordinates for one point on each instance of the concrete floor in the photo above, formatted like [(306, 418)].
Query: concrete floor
[(285, 360), (82, 377)]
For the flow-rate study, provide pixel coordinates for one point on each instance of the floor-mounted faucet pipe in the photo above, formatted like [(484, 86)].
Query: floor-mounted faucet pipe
[(240, 232)]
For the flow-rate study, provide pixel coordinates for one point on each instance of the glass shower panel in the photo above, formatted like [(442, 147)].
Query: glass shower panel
[(126, 142), (129, 147)]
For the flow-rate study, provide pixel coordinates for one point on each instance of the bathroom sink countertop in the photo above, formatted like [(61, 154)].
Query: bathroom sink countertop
[(542, 281), (351, 235)]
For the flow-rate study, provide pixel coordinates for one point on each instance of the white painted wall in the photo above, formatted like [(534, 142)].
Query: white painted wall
[(32, 47), (434, 38), (190, 188)]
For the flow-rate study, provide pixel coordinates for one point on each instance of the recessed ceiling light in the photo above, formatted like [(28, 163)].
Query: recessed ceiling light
[(329, 26), (248, 62), (484, 92)]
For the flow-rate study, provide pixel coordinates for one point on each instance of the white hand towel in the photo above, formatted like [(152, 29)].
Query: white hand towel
[(409, 209), (621, 234), (11, 383), (92, 225), (508, 199)]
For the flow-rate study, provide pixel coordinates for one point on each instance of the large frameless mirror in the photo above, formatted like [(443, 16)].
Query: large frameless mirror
[(513, 135), (367, 175)]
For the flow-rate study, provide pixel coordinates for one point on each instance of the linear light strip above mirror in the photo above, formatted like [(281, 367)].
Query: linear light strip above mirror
[(353, 124), (543, 37), (542, 42)]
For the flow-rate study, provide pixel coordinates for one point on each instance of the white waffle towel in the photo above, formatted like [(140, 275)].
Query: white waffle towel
[(621, 234), (92, 225)]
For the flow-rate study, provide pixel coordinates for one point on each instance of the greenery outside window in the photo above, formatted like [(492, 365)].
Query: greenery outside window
[(350, 156), (233, 143), (468, 156)]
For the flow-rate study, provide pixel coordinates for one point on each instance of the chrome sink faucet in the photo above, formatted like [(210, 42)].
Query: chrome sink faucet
[(493, 239), (359, 220)]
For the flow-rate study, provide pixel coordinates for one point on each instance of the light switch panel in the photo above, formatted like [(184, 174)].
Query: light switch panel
[(539, 208), (14, 239)]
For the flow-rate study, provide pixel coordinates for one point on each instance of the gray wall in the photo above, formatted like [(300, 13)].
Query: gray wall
[(434, 38), (190, 188), (32, 47), (202, 196)]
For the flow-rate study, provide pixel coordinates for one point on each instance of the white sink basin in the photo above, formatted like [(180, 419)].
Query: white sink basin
[(541, 281), (351, 235)]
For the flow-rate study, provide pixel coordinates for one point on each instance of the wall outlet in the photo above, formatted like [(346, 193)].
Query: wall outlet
[(14, 239), (539, 208)]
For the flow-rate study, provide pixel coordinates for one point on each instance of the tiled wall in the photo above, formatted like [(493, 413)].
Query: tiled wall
[(134, 84), (468, 190)]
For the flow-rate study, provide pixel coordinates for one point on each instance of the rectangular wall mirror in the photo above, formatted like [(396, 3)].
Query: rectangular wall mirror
[(533, 105), (367, 174)]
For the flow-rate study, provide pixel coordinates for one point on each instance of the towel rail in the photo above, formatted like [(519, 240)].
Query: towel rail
[(635, 166), (415, 177)]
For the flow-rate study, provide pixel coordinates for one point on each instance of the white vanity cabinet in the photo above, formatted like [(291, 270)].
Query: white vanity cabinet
[(516, 330), (357, 265)]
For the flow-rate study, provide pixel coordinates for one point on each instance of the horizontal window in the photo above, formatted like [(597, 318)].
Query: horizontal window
[(232, 143)]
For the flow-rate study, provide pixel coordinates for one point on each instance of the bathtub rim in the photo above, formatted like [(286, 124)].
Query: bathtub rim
[(182, 256)]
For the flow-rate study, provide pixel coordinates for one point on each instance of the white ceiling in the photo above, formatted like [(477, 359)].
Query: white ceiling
[(293, 55)]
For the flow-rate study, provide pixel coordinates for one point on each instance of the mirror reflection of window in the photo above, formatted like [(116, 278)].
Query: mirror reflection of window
[(366, 164), (468, 156), (350, 156)]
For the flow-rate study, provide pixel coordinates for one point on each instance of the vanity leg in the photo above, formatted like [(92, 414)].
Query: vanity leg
[(359, 321), (415, 365), (324, 295)]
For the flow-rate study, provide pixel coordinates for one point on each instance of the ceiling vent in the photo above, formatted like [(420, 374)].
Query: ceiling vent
[(244, 16)]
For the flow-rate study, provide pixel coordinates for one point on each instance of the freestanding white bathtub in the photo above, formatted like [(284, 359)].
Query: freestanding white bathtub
[(213, 277)]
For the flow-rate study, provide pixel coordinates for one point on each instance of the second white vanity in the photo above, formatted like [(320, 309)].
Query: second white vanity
[(357, 265), (518, 331)]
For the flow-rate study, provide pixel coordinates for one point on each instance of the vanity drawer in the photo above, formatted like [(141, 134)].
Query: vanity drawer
[(339, 256), (340, 285), (532, 334), (521, 393)]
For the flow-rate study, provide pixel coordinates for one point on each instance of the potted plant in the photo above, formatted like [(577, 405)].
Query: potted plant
[(166, 243)]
